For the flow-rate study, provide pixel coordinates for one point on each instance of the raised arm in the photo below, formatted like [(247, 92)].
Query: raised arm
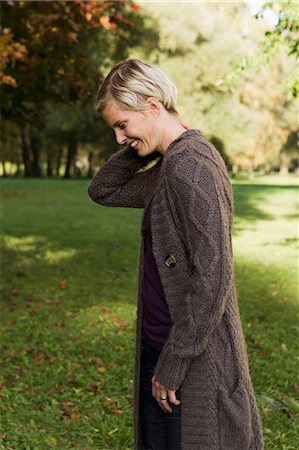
[(121, 180)]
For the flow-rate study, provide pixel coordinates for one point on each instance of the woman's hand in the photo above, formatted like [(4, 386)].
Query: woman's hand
[(163, 395)]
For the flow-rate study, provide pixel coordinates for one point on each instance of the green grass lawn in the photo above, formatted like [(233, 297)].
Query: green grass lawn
[(69, 278)]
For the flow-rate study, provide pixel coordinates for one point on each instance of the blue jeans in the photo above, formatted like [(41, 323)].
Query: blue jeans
[(160, 430)]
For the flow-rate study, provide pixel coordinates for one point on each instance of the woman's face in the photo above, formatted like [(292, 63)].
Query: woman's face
[(137, 128)]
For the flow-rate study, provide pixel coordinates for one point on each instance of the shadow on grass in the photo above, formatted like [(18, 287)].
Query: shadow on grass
[(53, 332), (249, 200), (62, 235), (249, 203), (80, 354)]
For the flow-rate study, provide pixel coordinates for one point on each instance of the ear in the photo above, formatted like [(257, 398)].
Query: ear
[(154, 106)]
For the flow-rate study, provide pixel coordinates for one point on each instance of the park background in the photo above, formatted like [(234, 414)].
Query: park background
[(69, 267)]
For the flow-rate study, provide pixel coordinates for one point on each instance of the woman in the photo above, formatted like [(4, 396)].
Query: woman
[(192, 383)]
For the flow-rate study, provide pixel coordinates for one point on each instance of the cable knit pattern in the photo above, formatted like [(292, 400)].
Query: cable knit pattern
[(205, 355)]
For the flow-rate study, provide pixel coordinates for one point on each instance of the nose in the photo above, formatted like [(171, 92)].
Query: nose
[(119, 136)]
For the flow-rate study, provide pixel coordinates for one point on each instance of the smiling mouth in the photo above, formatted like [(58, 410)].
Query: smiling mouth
[(134, 143)]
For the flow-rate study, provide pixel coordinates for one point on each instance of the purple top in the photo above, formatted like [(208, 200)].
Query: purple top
[(156, 317)]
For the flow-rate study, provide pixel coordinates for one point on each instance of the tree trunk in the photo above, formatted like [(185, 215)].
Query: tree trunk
[(71, 153), (283, 169), (77, 166), (35, 149), (18, 169), (3, 168), (58, 161), (25, 153), (90, 171), (49, 164)]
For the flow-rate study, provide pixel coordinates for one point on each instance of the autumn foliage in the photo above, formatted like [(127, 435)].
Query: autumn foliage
[(44, 49)]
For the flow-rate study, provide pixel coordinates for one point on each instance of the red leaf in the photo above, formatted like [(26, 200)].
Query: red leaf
[(62, 284), (135, 7)]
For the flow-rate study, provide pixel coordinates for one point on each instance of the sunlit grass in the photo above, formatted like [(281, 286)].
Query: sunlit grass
[(69, 280)]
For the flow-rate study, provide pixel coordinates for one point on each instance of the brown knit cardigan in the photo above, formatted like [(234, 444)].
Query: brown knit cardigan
[(205, 355)]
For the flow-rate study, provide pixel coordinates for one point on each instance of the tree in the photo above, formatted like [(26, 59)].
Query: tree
[(57, 51), (44, 50), (284, 35), (288, 157), (252, 119)]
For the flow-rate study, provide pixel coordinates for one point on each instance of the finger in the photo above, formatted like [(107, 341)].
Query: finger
[(160, 393), (172, 397), (164, 403), (157, 389), (154, 389)]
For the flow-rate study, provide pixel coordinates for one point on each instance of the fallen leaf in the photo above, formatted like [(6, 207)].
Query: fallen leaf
[(112, 364), (59, 325), (115, 411), (130, 399), (53, 441), (70, 315), (66, 405), (95, 387), (258, 344), (102, 369), (289, 413), (112, 431), (27, 389), (265, 352), (120, 324), (77, 390), (97, 360), (62, 284), (108, 401), (14, 291), (261, 318)]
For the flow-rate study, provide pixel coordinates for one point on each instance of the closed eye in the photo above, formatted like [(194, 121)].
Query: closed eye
[(122, 126)]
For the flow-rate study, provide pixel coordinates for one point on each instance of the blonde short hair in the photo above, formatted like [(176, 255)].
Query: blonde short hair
[(130, 83)]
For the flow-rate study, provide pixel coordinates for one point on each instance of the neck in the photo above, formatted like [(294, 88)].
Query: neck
[(171, 130)]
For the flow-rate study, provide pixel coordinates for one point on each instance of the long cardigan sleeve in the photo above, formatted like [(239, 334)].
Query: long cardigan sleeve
[(121, 181), (200, 194)]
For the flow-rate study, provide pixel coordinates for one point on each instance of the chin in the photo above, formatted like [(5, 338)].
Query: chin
[(145, 151)]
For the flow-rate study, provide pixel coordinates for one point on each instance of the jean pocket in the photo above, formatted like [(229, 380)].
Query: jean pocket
[(235, 423)]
